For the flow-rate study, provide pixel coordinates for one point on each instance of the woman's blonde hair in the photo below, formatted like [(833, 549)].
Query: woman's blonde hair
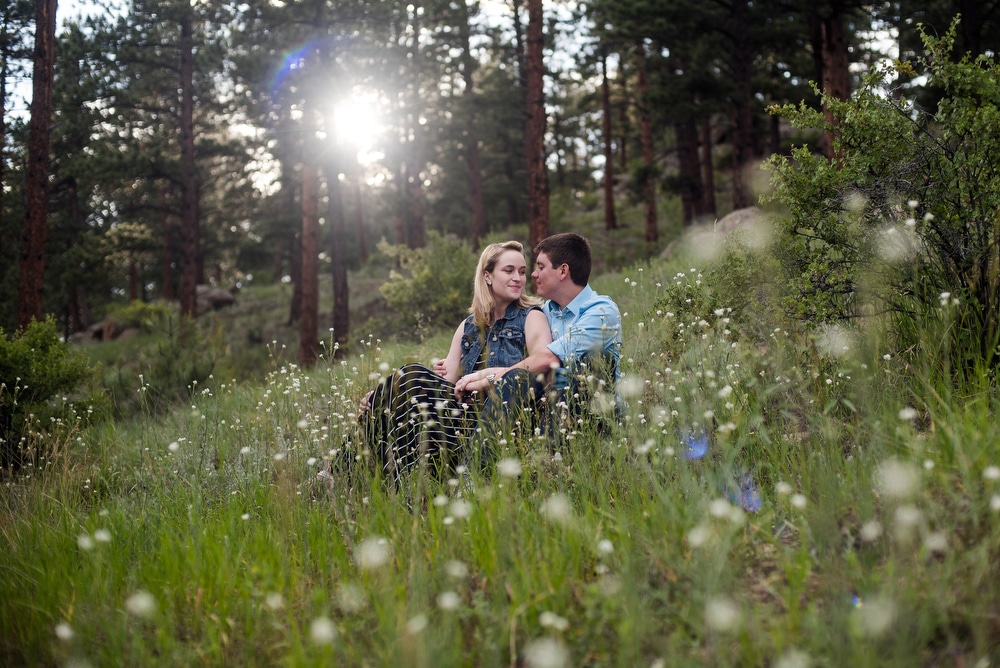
[(482, 296)]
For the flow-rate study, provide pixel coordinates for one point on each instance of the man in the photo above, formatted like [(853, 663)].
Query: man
[(585, 351)]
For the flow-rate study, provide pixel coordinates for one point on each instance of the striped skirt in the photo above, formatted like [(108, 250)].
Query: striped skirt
[(415, 419)]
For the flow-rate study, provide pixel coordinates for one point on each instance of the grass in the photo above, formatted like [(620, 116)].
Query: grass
[(201, 534)]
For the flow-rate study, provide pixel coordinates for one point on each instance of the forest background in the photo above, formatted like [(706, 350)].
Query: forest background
[(805, 472), (179, 144)]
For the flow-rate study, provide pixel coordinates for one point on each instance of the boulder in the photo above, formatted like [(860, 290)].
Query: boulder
[(738, 218), (210, 298)]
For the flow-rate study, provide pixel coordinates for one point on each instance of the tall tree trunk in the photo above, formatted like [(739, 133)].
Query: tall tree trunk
[(707, 168), (836, 75), (510, 196), (32, 256), (610, 222), (534, 134), (471, 135), (971, 26), (624, 129), (690, 170), (359, 219), (416, 229), (338, 258), (646, 131), (309, 321), (190, 231), (167, 257), (3, 122), (82, 308), (133, 280), (295, 271), (742, 111)]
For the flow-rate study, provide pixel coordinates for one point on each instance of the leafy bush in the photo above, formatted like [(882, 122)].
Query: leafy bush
[(178, 359), (908, 210), (35, 366), (146, 316), (434, 288)]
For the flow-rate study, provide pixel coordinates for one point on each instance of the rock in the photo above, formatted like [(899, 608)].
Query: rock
[(738, 218), (708, 238), (210, 298)]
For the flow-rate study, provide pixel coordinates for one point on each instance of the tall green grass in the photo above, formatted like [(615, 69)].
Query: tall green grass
[(203, 535)]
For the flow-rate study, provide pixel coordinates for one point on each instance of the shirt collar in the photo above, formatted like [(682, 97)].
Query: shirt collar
[(574, 306)]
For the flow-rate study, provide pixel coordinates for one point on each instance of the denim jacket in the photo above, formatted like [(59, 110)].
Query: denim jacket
[(505, 341)]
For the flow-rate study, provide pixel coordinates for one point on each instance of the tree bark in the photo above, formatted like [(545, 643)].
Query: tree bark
[(473, 164), (690, 170), (646, 131), (190, 230), (707, 168), (167, 257), (359, 219), (836, 76), (32, 255), (610, 222), (538, 183), (624, 129), (309, 281), (338, 258), (742, 111)]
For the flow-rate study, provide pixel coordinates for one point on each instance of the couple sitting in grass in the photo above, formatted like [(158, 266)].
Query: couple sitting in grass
[(513, 363)]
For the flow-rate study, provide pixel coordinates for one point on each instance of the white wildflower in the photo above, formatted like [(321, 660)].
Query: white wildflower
[(64, 631), (551, 620), (448, 601), (508, 467), (896, 479), (372, 553), (721, 614), (557, 508), (141, 604), (416, 624), (546, 653), (322, 631)]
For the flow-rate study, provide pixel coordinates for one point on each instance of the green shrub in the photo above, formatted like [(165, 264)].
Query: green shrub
[(433, 288), (147, 316), (35, 366), (176, 361), (909, 209)]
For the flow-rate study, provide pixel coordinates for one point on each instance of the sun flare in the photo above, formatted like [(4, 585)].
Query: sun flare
[(359, 125)]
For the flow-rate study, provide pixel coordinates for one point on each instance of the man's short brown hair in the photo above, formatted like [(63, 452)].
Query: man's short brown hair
[(571, 249)]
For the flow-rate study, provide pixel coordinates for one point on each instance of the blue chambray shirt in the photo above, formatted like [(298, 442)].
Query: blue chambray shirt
[(589, 325)]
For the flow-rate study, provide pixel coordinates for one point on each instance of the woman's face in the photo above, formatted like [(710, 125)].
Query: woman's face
[(508, 277)]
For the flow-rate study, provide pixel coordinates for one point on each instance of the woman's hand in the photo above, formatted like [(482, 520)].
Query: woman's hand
[(478, 381), (365, 405), (440, 369)]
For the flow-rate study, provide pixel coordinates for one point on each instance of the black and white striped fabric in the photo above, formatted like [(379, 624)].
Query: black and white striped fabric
[(415, 419)]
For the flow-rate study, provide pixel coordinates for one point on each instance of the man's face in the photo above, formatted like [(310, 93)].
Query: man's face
[(546, 277)]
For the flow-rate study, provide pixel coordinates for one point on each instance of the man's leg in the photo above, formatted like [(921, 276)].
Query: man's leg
[(516, 397)]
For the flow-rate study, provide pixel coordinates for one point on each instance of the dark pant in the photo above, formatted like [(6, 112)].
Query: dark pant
[(520, 401)]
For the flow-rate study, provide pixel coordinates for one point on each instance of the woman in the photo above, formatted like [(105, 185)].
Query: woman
[(419, 413)]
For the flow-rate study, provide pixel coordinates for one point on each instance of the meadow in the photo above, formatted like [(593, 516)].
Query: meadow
[(774, 496)]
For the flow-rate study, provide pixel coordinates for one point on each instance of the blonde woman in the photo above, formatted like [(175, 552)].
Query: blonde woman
[(421, 414)]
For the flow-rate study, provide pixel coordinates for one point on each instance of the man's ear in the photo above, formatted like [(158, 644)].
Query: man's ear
[(563, 271)]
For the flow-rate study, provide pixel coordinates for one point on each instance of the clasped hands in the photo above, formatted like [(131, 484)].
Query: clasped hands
[(477, 381)]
